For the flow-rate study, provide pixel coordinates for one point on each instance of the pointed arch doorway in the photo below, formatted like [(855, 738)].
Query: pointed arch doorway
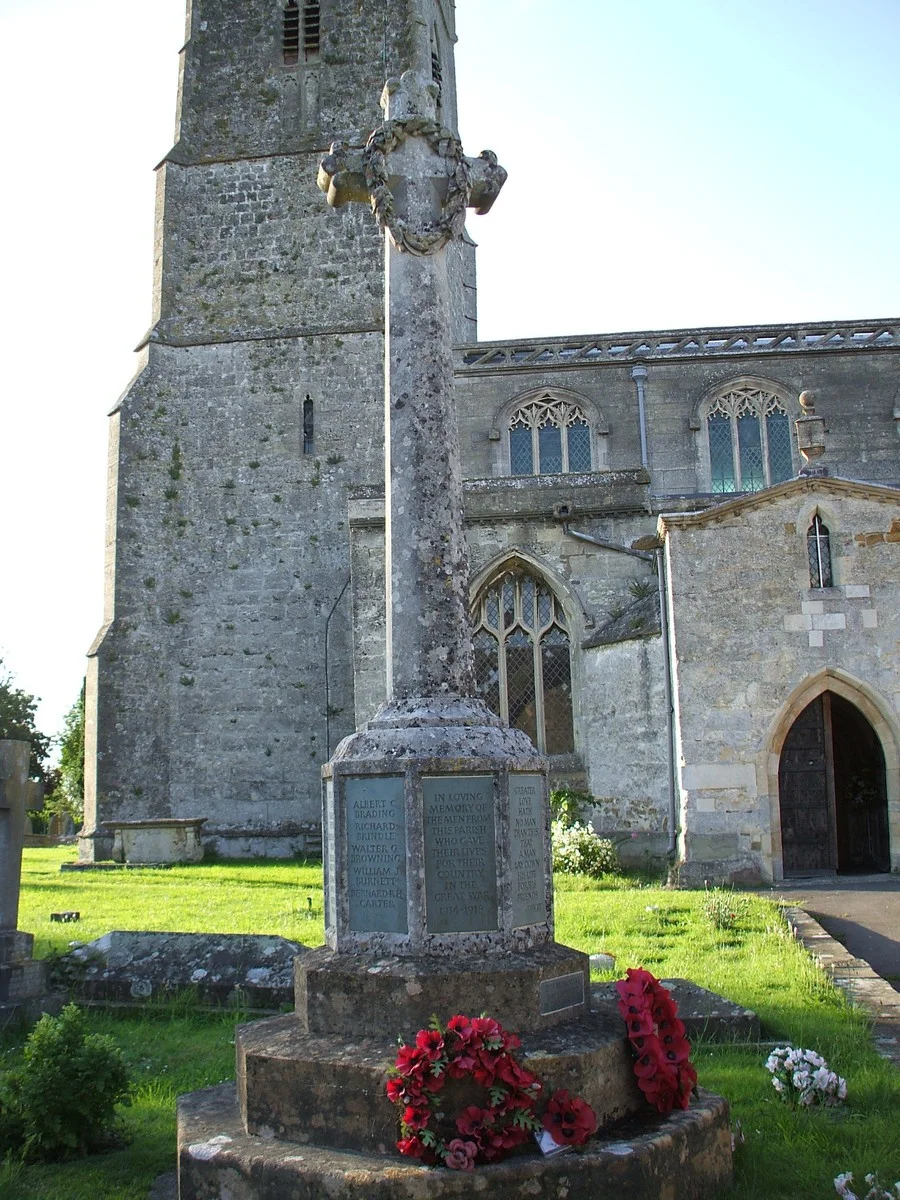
[(832, 791)]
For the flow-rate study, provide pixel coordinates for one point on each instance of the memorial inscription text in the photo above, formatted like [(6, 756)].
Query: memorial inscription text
[(460, 860), (526, 850), (376, 854)]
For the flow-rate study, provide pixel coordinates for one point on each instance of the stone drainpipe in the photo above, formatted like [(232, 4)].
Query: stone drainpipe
[(655, 557)]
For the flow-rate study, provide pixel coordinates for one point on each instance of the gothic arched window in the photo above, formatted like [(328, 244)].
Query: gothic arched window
[(549, 436), (818, 549), (749, 440), (522, 661)]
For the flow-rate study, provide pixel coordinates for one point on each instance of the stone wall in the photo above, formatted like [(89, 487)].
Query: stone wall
[(753, 643)]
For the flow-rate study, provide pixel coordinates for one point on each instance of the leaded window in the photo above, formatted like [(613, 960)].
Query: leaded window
[(548, 436), (522, 659), (749, 440), (818, 549)]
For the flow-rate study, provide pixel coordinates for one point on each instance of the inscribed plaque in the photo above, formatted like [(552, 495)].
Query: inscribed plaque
[(376, 853), (329, 836), (526, 850), (460, 859), (565, 991)]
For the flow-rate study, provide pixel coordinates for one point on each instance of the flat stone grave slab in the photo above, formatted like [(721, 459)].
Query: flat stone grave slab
[(225, 970), (705, 1014)]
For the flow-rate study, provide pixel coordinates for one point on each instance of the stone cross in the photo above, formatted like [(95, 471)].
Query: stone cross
[(419, 184), (435, 815), (13, 775)]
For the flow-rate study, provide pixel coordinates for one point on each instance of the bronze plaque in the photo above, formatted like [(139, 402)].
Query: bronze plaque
[(376, 853), (528, 887), (460, 856)]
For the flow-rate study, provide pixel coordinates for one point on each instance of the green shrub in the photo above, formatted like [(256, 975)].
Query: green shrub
[(569, 805), (61, 1100), (577, 850)]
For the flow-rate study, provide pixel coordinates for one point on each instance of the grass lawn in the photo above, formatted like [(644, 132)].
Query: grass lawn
[(787, 1154)]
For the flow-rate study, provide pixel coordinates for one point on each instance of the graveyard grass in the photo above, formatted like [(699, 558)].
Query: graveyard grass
[(171, 1049)]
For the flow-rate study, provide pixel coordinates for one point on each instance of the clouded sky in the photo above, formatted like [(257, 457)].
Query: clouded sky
[(705, 163)]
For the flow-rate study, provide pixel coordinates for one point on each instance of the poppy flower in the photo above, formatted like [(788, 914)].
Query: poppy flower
[(569, 1120)]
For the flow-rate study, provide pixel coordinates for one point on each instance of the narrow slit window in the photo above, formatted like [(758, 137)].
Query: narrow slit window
[(818, 548), (308, 426), (312, 20), (290, 38)]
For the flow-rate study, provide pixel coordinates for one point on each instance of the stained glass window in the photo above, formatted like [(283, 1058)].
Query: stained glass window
[(522, 659), (750, 445), (549, 436)]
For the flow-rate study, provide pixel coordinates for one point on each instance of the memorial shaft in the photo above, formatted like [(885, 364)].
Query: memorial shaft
[(428, 638)]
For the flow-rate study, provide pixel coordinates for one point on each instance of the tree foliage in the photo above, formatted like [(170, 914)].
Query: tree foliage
[(17, 710), (67, 795)]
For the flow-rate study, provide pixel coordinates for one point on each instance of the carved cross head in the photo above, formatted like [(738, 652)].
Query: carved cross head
[(445, 181)]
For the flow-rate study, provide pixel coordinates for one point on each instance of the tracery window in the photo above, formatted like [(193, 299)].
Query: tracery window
[(522, 659), (749, 440), (818, 549), (549, 436)]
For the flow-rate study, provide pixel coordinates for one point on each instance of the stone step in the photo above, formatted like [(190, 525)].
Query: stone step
[(683, 1157)]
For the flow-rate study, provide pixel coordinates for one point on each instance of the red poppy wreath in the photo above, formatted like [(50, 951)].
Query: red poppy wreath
[(662, 1052), (480, 1051)]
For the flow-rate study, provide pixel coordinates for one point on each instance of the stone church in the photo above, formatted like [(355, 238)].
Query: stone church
[(689, 628)]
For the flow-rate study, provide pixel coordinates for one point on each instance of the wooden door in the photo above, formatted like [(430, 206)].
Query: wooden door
[(806, 793)]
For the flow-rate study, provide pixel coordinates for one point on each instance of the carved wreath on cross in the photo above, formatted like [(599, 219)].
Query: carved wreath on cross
[(450, 225)]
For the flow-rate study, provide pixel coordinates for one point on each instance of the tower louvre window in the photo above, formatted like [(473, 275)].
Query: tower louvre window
[(308, 426), (311, 29), (436, 73), (290, 37)]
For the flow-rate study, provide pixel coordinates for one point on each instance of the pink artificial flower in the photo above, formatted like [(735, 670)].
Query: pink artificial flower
[(460, 1155)]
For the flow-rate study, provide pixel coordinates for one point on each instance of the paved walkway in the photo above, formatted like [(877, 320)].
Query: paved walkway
[(851, 926)]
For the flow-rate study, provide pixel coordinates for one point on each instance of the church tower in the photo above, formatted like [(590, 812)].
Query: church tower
[(222, 676)]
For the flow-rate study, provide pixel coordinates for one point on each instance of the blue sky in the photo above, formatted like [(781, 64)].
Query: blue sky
[(670, 166)]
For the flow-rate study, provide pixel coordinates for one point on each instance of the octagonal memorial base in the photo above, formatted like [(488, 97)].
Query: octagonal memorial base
[(683, 1157), (330, 1091)]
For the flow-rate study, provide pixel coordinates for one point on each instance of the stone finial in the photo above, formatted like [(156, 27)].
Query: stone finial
[(412, 95), (810, 435)]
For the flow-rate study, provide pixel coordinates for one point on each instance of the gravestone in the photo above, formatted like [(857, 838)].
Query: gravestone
[(438, 883), (23, 981)]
